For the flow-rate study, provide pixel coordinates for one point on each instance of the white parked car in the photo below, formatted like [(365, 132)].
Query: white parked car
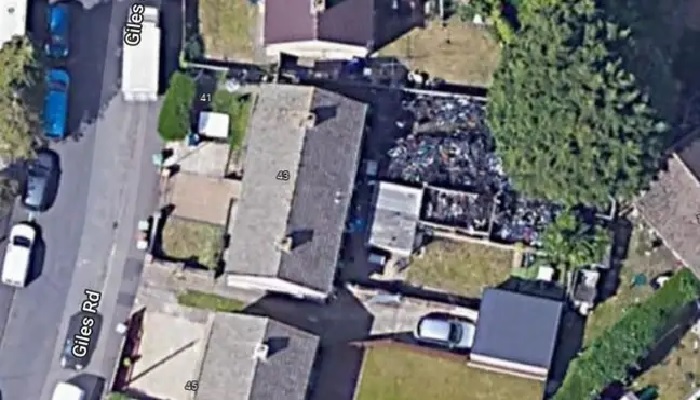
[(67, 391), (445, 331), (18, 255)]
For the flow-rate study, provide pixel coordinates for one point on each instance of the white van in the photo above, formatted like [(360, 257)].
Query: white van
[(66, 391), (18, 255)]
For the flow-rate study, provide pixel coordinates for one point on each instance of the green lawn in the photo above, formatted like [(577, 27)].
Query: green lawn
[(392, 373), (209, 301), (459, 52), (237, 106), (461, 268), (191, 239), (227, 28)]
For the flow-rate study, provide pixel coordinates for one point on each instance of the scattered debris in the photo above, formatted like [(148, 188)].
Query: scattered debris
[(451, 147)]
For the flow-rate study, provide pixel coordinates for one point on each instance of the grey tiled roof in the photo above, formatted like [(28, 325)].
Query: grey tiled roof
[(517, 328), (229, 370), (395, 219), (312, 205), (672, 205)]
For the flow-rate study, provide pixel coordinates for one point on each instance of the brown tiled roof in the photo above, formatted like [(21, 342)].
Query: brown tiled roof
[(671, 206), (347, 22)]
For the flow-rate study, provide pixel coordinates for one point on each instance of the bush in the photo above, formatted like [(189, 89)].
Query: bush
[(174, 120), (621, 347)]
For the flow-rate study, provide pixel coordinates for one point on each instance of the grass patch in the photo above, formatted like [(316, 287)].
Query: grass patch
[(678, 375), (461, 268), (237, 106), (460, 52), (390, 373), (227, 28), (209, 301), (191, 239)]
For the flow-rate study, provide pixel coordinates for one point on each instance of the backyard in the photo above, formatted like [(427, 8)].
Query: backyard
[(676, 374), (228, 29), (657, 261), (392, 373), (461, 268), (460, 52), (192, 240)]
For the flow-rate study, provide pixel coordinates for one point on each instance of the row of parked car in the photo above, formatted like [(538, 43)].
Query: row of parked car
[(57, 80), (43, 172)]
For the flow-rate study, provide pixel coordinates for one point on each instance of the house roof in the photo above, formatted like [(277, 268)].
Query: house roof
[(230, 370), (395, 218), (672, 205), (346, 21), (311, 206), (13, 19), (517, 328)]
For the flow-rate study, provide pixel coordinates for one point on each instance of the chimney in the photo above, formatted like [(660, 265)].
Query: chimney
[(286, 244), (318, 6), (261, 351)]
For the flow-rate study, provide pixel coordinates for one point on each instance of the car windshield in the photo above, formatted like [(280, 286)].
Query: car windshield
[(21, 241), (57, 85), (455, 333)]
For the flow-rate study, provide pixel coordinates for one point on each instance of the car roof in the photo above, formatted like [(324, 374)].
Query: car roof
[(36, 190), (434, 328), (23, 229)]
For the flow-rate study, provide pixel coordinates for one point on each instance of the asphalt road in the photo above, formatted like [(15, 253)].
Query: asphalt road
[(107, 184)]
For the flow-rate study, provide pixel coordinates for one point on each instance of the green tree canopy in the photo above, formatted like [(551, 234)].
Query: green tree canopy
[(570, 242), (174, 119), (570, 123), (18, 112), (17, 118)]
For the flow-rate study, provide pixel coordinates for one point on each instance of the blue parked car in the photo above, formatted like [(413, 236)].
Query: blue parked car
[(59, 26), (56, 103)]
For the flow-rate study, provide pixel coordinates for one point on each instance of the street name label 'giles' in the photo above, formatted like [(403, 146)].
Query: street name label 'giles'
[(134, 25), (82, 340)]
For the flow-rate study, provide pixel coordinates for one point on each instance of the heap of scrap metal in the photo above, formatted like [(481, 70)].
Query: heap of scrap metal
[(518, 220), (466, 210), (451, 147)]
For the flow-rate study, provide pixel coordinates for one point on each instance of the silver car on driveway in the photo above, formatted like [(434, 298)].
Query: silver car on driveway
[(446, 331)]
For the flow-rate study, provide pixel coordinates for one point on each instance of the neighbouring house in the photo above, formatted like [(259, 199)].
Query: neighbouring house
[(256, 358), (516, 334), (301, 158), (336, 29), (672, 204), (395, 219)]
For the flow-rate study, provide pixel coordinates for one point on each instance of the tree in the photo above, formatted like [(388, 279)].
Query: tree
[(17, 84), (18, 116), (571, 125), (570, 242), (174, 120)]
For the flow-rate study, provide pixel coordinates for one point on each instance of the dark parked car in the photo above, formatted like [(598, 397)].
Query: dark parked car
[(42, 181), (81, 340)]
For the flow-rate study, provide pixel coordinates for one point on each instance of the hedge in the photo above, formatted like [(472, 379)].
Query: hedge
[(174, 119), (621, 347)]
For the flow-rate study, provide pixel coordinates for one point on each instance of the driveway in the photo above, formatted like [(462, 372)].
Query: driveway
[(107, 183)]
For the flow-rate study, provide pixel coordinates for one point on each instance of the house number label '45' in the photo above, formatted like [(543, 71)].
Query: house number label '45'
[(192, 386)]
